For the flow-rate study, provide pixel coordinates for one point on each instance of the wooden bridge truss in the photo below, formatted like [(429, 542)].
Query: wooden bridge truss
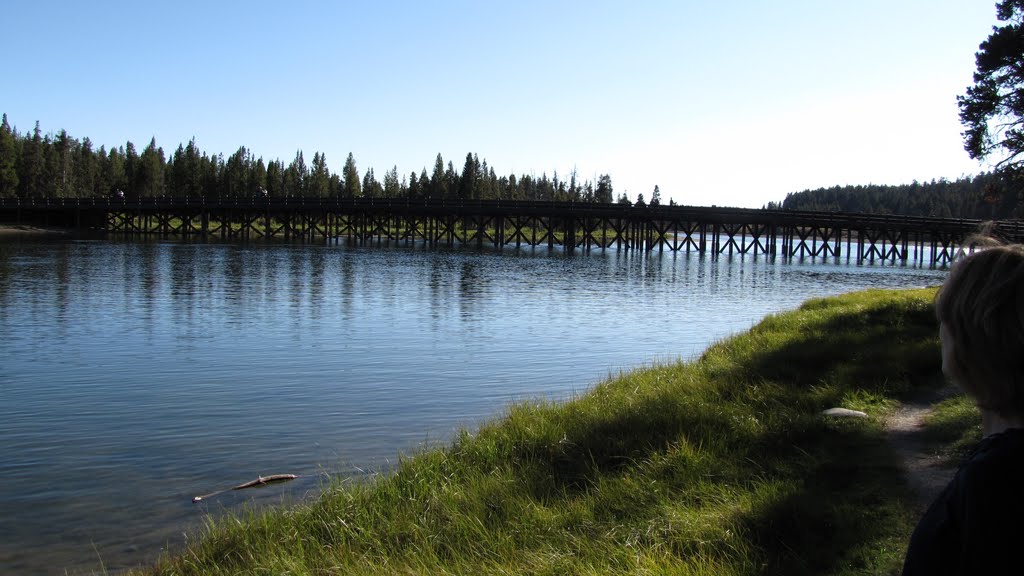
[(715, 231)]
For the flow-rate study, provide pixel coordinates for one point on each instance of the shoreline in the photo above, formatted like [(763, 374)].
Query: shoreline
[(729, 458), (28, 229)]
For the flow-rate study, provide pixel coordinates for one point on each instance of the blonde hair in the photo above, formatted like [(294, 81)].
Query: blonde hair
[(981, 306)]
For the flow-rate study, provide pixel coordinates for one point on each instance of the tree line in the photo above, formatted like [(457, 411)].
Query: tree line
[(989, 195), (34, 165)]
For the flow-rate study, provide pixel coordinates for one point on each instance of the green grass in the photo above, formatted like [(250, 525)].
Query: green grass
[(955, 426), (720, 466)]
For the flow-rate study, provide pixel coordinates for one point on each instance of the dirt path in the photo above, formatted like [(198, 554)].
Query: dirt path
[(927, 471)]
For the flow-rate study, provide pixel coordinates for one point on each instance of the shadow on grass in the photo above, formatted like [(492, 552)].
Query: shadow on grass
[(890, 348), (846, 507), (849, 510)]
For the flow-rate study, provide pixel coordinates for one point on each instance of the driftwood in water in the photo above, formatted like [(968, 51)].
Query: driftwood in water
[(260, 481)]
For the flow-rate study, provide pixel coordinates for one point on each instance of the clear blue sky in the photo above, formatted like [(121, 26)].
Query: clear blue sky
[(728, 103)]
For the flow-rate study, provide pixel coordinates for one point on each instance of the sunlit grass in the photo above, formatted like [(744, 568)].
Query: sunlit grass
[(719, 466)]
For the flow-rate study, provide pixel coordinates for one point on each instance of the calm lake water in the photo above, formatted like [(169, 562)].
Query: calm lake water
[(135, 376)]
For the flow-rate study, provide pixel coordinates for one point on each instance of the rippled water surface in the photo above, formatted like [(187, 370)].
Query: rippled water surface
[(134, 376)]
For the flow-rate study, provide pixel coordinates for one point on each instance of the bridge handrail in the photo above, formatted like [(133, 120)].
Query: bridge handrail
[(850, 220)]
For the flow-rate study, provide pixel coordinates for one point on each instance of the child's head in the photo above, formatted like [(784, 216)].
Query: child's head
[(981, 311)]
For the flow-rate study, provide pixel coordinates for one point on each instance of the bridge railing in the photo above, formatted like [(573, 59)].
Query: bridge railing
[(846, 220)]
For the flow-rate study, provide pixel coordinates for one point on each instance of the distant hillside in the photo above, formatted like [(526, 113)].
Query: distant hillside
[(986, 196)]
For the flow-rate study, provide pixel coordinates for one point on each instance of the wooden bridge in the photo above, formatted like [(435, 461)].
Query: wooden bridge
[(570, 225)]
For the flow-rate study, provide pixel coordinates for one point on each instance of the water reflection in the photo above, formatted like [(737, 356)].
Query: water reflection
[(131, 368)]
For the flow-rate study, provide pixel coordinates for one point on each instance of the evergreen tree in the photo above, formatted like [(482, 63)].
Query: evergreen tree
[(451, 181), (512, 190), (258, 176), (575, 191), (350, 178), (371, 188), (438, 184), (183, 178), (557, 188), (299, 174), (604, 191), (320, 177), (33, 165), (414, 186), (235, 171), (992, 110), (274, 184), (290, 181), (492, 186), (102, 184), (211, 175), (114, 171), (193, 169), (149, 176), (392, 187), (86, 169), (656, 196), (468, 180), (527, 188), (51, 169), (177, 180), (131, 170), (9, 160), (64, 151)]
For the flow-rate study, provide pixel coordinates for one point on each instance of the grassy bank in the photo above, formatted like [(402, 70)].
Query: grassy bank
[(719, 466)]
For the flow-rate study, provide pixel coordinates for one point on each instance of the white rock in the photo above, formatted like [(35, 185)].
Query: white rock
[(844, 413)]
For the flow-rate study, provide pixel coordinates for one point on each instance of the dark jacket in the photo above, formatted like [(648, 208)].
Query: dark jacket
[(975, 524)]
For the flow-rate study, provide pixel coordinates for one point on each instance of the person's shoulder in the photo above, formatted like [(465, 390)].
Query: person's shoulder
[(997, 459), (1005, 444)]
